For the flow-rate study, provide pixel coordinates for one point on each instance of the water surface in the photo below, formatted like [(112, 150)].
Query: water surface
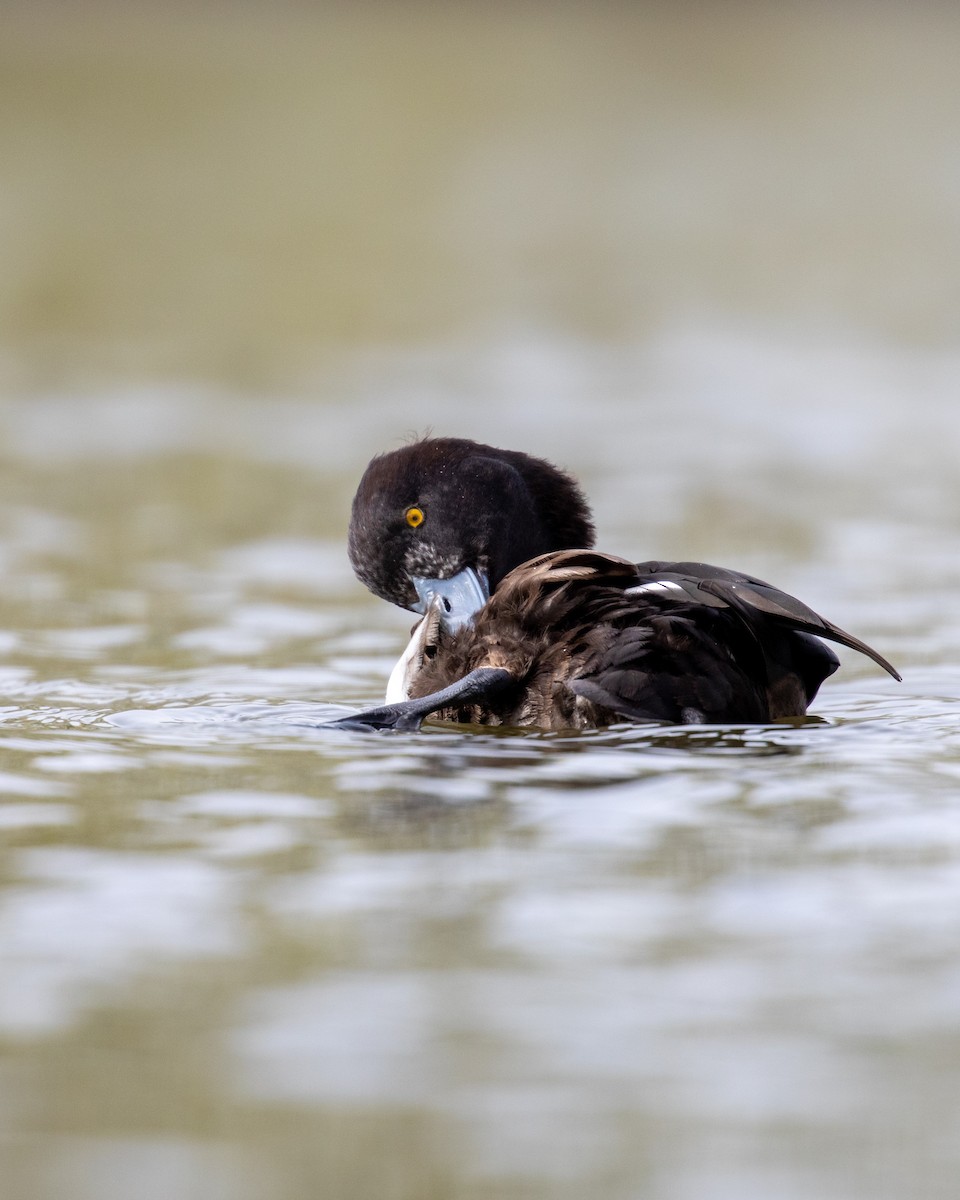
[(242, 953)]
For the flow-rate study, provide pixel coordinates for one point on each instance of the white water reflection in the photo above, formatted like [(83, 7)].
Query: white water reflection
[(328, 1041), (78, 925), (28, 816), (154, 1167), (671, 1035)]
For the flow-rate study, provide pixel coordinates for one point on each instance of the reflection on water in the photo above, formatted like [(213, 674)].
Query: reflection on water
[(243, 955), (243, 952)]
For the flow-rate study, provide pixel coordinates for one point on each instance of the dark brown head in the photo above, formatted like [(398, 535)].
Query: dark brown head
[(443, 506)]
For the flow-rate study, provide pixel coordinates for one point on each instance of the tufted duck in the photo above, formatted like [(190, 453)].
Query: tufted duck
[(524, 624)]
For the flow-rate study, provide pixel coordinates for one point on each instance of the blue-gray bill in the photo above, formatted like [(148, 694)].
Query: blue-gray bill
[(461, 597)]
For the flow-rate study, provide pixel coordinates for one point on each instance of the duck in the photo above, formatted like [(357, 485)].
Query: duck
[(523, 623)]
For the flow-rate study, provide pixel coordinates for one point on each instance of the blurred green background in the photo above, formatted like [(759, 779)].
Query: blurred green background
[(236, 191)]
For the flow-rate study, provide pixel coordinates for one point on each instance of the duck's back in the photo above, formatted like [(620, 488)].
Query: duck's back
[(695, 643), (592, 639)]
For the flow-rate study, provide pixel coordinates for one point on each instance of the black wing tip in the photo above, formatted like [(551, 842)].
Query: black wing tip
[(801, 618), (853, 643)]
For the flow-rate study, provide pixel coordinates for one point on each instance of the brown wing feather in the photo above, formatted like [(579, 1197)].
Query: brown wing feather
[(587, 641)]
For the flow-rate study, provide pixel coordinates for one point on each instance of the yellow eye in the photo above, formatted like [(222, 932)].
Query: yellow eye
[(414, 517)]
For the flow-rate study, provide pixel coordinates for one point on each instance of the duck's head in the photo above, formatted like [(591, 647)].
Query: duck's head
[(448, 518)]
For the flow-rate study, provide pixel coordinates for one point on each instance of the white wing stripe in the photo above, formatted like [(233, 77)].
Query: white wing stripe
[(655, 585)]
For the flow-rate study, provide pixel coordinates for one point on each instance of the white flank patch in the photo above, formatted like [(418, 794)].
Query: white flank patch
[(398, 685)]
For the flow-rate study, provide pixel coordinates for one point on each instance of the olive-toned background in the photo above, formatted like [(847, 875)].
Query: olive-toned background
[(236, 191)]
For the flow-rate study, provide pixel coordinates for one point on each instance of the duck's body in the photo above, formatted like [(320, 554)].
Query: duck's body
[(592, 639), (568, 638)]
